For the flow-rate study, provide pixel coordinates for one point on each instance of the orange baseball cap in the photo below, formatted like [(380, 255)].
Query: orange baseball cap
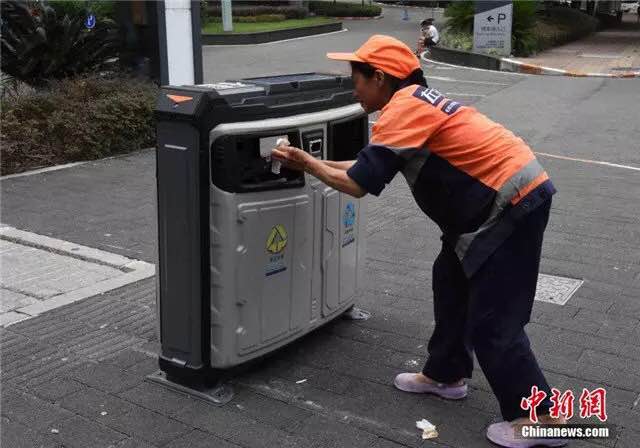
[(385, 53)]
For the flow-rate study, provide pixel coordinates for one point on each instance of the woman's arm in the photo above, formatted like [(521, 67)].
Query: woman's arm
[(336, 178), (333, 174), (345, 165)]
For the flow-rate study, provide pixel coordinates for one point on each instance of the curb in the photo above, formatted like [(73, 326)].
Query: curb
[(381, 16), (269, 36), (42, 170), (47, 169), (513, 65), (464, 58), (486, 62)]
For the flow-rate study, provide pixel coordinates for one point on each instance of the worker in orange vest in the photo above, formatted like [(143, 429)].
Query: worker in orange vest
[(490, 197)]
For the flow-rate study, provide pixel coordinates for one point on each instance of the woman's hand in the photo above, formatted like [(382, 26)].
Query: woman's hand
[(333, 174), (291, 157)]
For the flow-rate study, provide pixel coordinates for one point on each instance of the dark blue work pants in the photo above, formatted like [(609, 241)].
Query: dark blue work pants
[(487, 314)]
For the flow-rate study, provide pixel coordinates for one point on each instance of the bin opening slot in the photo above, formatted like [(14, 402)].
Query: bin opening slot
[(346, 138), (244, 162)]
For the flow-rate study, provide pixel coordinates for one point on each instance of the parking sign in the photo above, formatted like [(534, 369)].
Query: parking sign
[(492, 27)]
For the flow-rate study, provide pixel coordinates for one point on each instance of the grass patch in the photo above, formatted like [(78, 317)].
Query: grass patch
[(216, 27)]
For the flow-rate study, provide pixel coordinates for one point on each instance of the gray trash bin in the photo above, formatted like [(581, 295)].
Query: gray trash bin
[(250, 260)]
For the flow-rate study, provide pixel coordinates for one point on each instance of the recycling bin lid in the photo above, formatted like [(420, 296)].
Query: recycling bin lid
[(300, 82), (256, 98)]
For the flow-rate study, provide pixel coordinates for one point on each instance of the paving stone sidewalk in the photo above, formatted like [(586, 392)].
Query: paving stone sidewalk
[(614, 50), (39, 273)]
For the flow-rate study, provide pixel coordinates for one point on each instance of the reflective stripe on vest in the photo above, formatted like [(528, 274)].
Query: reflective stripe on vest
[(516, 183)]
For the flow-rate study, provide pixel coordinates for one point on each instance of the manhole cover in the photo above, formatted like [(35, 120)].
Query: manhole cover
[(556, 290)]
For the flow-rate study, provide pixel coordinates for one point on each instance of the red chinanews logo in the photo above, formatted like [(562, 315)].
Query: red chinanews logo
[(592, 403)]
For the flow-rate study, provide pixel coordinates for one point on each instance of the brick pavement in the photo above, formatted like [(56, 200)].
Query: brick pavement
[(614, 50), (75, 376)]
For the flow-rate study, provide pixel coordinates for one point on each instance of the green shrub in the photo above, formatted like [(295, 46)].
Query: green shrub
[(79, 119), (573, 20), (456, 40), (421, 3), (460, 17), (344, 9), (563, 25), (211, 11), (102, 9), (523, 37), (255, 19), (263, 18), (38, 45)]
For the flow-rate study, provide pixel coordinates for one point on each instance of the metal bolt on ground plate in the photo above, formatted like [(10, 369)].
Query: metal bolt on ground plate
[(355, 313), (218, 394)]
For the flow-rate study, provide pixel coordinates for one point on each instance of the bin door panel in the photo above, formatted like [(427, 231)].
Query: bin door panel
[(349, 210), (275, 247), (330, 250), (340, 249), (302, 266), (248, 279)]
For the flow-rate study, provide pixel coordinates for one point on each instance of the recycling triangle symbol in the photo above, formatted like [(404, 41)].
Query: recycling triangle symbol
[(277, 240)]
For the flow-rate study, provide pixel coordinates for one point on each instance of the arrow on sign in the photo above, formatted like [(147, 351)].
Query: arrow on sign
[(490, 18)]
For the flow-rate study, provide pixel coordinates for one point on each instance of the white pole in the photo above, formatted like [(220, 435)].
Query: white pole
[(179, 41), (227, 18)]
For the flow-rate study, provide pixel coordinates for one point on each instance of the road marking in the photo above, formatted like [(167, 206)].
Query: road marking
[(594, 162)]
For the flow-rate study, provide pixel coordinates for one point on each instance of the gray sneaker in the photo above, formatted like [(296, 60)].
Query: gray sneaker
[(504, 434), (408, 383)]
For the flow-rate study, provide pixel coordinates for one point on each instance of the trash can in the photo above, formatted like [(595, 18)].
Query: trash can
[(250, 258)]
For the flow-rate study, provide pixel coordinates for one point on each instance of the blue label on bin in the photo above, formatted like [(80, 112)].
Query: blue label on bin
[(349, 220)]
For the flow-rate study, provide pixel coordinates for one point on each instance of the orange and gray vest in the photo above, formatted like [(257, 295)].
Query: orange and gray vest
[(472, 176)]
